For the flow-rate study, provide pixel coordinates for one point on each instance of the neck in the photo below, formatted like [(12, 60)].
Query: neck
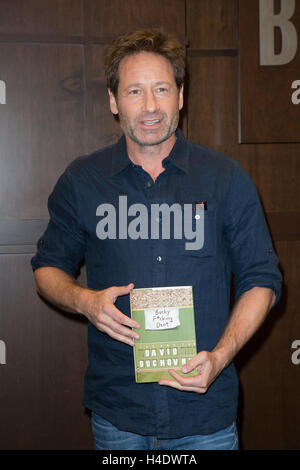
[(150, 157)]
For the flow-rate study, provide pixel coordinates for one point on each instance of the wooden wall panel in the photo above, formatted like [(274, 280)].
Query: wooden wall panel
[(41, 124), (212, 24), (110, 18), (270, 382), (265, 91), (102, 127), (41, 384), (212, 101), (63, 17)]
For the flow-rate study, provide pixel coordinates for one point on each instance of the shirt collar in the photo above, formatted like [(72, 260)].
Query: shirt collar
[(179, 155)]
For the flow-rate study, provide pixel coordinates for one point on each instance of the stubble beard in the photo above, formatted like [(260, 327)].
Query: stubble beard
[(130, 130)]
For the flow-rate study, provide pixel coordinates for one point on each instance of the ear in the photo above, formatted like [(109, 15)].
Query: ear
[(112, 102), (181, 97)]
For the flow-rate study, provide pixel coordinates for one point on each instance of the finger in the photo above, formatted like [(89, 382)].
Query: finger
[(117, 336), (113, 312), (176, 385), (106, 322), (117, 327), (194, 381)]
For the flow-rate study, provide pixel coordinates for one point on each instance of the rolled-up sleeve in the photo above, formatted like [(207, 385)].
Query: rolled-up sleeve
[(63, 243), (253, 258)]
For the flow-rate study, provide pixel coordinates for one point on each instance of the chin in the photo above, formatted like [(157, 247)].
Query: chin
[(153, 140)]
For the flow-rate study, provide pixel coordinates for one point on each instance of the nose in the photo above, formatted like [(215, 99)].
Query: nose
[(150, 102)]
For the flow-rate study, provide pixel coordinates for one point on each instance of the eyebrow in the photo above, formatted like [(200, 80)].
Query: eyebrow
[(141, 84)]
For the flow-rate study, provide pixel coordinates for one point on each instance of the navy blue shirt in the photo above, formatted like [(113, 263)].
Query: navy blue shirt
[(236, 242)]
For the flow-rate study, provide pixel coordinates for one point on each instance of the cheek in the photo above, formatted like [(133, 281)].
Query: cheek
[(130, 112), (174, 109)]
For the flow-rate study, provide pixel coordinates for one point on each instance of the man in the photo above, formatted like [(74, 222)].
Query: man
[(154, 164)]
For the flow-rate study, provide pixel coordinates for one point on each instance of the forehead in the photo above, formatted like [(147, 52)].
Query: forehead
[(145, 66)]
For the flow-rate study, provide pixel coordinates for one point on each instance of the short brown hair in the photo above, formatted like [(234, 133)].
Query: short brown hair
[(144, 41)]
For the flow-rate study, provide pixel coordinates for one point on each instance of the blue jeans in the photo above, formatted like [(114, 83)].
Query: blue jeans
[(108, 437)]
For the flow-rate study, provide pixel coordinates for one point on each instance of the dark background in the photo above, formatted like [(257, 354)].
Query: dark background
[(51, 59)]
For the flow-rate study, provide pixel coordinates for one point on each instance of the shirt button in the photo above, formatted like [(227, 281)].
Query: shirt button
[(42, 242), (159, 258), (149, 184)]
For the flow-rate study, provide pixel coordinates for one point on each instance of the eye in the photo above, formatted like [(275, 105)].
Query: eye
[(162, 89), (134, 92)]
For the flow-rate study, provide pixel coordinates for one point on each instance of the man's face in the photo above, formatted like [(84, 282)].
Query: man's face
[(148, 100)]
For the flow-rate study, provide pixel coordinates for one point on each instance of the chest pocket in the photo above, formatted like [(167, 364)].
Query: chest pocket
[(203, 233), (204, 228), (198, 264)]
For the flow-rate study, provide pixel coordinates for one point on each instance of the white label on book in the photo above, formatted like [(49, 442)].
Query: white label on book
[(161, 318)]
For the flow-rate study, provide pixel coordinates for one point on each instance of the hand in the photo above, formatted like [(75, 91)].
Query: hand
[(105, 316), (208, 365)]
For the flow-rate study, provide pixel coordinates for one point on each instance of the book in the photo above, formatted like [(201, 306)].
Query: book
[(167, 333)]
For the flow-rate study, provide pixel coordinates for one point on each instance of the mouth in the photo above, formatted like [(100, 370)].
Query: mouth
[(150, 123)]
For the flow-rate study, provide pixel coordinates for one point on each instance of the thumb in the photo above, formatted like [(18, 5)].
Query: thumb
[(196, 361), (121, 290)]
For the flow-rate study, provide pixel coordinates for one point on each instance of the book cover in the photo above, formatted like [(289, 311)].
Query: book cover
[(167, 333)]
